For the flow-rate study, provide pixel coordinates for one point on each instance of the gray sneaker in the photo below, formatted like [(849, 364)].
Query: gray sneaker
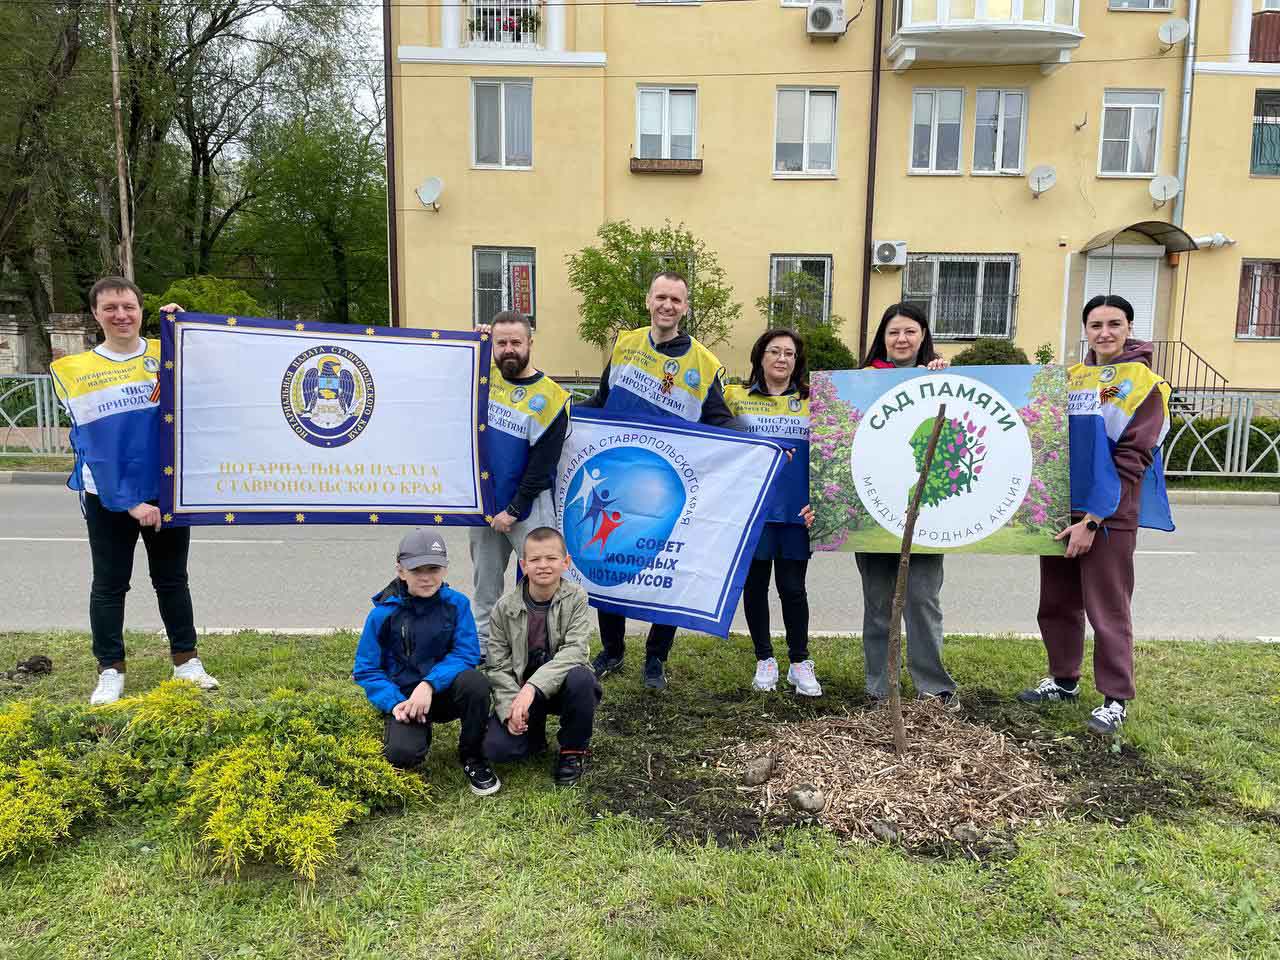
[(801, 676), (1049, 690), (1107, 719)]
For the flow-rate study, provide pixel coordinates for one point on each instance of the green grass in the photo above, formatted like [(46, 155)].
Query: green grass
[(536, 873), (1006, 540), (50, 464), (1266, 484)]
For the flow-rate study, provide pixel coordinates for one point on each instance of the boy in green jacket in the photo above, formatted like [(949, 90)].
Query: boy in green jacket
[(537, 662)]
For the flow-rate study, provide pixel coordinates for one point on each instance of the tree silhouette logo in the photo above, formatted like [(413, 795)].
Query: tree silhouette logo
[(957, 463)]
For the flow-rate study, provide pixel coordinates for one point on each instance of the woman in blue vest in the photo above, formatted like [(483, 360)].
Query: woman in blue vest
[(775, 404)]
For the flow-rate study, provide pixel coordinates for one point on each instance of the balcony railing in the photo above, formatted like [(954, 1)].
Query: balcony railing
[(985, 31), (505, 23)]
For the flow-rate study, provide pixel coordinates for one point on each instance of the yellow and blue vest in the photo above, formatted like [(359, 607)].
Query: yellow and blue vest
[(114, 406), (519, 414), (644, 381), (1101, 403), (783, 418)]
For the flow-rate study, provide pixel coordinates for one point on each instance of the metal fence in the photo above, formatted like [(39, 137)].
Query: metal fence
[(1225, 434), (31, 421), (504, 23)]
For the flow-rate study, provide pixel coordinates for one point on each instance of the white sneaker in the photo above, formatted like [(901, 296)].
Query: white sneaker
[(766, 675), (193, 670), (109, 689), (800, 675)]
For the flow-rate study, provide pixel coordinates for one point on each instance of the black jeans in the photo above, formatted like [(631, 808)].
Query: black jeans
[(575, 704), (405, 745), (113, 536), (789, 577), (613, 630)]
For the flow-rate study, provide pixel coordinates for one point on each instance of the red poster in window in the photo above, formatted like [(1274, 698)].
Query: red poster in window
[(522, 288)]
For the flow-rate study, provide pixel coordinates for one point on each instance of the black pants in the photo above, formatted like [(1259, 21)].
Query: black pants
[(113, 536), (613, 630), (575, 704), (789, 578), (405, 745)]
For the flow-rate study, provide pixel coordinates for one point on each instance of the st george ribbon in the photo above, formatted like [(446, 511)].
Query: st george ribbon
[(661, 517), (271, 421)]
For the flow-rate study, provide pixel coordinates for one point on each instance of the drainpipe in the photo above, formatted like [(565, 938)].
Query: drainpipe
[(1184, 121), (872, 141), (393, 245)]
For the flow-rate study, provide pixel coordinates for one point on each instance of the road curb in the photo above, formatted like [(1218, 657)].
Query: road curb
[(1225, 498), (32, 476)]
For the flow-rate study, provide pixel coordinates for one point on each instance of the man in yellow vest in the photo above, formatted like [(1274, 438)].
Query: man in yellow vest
[(657, 371)]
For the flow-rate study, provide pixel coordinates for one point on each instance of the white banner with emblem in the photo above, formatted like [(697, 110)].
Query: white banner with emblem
[(269, 421)]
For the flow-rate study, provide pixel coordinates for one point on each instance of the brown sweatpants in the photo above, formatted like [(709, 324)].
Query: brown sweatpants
[(1099, 584)]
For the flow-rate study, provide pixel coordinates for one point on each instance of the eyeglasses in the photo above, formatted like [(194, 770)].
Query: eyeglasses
[(776, 352)]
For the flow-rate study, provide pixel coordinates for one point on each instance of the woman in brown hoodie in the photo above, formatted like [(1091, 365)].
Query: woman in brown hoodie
[(1119, 414)]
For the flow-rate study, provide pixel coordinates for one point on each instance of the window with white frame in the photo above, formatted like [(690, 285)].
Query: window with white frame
[(1258, 314), (666, 123), (800, 285), (503, 279), (503, 123), (964, 294), (1130, 132), (1141, 5), (805, 133), (999, 131), (935, 130)]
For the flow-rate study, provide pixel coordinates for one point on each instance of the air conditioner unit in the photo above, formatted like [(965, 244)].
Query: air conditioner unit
[(825, 19), (889, 253)]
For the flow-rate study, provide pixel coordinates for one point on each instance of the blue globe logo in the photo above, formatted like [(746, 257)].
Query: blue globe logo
[(619, 512)]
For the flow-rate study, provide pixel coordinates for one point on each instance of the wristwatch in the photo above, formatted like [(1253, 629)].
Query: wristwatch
[(1091, 526)]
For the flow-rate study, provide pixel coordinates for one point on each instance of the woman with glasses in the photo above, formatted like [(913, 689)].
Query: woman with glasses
[(774, 403), (903, 340)]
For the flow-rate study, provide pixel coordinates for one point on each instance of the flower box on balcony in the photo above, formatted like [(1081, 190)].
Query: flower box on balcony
[(661, 165)]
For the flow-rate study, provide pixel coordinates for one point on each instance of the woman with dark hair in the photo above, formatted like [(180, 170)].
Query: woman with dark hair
[(775, 404), (903, 340), (1118, 417)]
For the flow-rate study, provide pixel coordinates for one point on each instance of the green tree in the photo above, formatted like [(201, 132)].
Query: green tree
[(613, 280), (205, 295)]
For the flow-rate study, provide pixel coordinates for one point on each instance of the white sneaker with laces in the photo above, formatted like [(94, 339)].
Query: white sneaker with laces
[(193, 670), (800, 675), (109, 689), (1107, 719), (766, 675)]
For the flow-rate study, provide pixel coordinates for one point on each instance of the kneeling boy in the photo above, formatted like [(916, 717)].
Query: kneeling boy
[(538, 662), (416, 662)]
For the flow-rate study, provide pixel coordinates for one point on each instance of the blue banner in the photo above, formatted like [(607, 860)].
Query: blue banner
[(661, 517)]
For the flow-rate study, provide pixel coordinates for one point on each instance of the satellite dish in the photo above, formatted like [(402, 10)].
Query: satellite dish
[(430, 192), (1174, 30), (1041, 179), (1163, 189)]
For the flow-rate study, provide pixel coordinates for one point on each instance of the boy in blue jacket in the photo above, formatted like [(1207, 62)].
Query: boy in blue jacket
[(416, 662)]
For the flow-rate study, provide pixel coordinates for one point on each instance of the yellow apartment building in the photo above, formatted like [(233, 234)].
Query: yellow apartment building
[(995, 161)]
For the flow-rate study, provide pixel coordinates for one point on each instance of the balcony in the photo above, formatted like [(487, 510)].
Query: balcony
[(985, 31), (1264, 37), (504, 24)]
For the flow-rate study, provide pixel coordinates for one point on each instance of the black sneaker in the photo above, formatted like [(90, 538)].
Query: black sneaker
[(481, 776), (570, 766), (655, 675), (604, 664), (1107, 719), (1049, 690)]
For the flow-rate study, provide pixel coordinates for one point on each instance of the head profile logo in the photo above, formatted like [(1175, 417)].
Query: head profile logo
[(327, 396), (794, 405), (620, 508), (151, 365), (518, 394)]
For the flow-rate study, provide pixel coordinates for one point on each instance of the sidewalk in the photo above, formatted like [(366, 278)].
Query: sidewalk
[(1200, 498)]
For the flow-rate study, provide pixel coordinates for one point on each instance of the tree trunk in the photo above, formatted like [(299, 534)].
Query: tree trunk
[(31, 277), (900, 590)]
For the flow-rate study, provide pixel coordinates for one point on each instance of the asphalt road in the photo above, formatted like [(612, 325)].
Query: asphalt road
[(1218, 576)]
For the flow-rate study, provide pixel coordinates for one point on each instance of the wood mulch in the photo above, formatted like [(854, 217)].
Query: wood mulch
[(957, 781)]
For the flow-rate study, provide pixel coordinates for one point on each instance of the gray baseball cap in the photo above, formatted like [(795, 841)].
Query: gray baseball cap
[(422, 548)]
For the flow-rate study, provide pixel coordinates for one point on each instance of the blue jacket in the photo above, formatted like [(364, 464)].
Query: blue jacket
[(408, 639)]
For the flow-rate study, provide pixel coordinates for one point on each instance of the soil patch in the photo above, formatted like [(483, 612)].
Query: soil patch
[(675, 760)]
